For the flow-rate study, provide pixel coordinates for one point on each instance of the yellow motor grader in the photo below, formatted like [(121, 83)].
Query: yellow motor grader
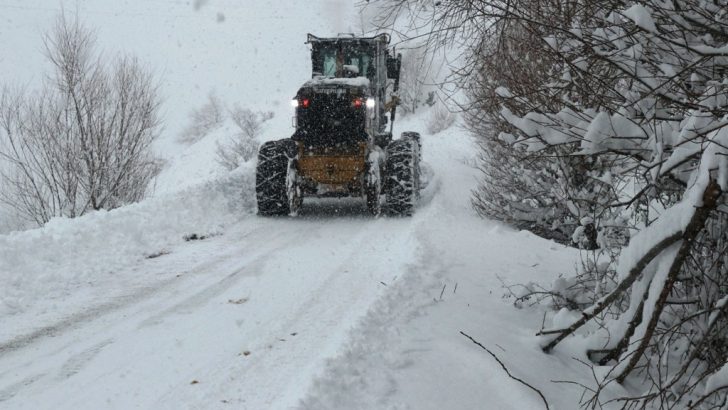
[(341, 147)]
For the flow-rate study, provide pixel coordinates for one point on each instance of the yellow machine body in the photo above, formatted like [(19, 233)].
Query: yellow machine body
[(331, 167)]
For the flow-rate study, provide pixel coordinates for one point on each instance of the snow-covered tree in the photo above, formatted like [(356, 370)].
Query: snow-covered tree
[(414, 79), (663, 119), (548, 191), (82, 142)]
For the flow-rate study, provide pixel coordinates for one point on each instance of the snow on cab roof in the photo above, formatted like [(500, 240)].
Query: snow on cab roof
[(319, 81), (348, 37)]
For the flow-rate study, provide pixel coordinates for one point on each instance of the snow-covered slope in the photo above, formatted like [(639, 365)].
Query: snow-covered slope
[(40, 268)]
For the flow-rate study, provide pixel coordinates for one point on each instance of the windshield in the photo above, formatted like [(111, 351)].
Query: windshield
[(333, 58)]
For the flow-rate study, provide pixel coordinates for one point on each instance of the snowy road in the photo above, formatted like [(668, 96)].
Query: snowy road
[(247, 317), (333, 309), (257, 307)]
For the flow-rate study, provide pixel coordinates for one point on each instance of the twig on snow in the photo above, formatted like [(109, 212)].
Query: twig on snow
[(545, 402)]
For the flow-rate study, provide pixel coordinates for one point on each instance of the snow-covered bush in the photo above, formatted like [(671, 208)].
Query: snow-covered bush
[(660, 116), (203, 120), (82, 142), (213, 118), (413, 78), (440, 118), (243, 145), (548, 191)]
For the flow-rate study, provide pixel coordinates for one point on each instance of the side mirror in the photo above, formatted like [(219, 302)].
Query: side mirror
[(393, 66)]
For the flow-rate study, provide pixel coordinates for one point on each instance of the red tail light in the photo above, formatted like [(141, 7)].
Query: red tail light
[(358, 102)]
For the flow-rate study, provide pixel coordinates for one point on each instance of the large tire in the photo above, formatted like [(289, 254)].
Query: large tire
[(415, 136), (271, 177), (402, 182)]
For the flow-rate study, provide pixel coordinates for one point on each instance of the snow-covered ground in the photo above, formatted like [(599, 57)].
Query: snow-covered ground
[(333, 309)]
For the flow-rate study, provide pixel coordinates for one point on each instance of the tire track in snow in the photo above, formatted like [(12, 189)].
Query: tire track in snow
[(73, 320), (117, 303), (188, 304), (76, 362), (312, 325), (76, 322), (364, 374), (10, 391)]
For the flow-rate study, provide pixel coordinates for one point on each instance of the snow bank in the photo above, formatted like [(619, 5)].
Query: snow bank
[(49, 262)]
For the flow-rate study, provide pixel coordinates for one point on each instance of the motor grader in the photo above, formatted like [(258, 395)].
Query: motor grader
[(341, 146)]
